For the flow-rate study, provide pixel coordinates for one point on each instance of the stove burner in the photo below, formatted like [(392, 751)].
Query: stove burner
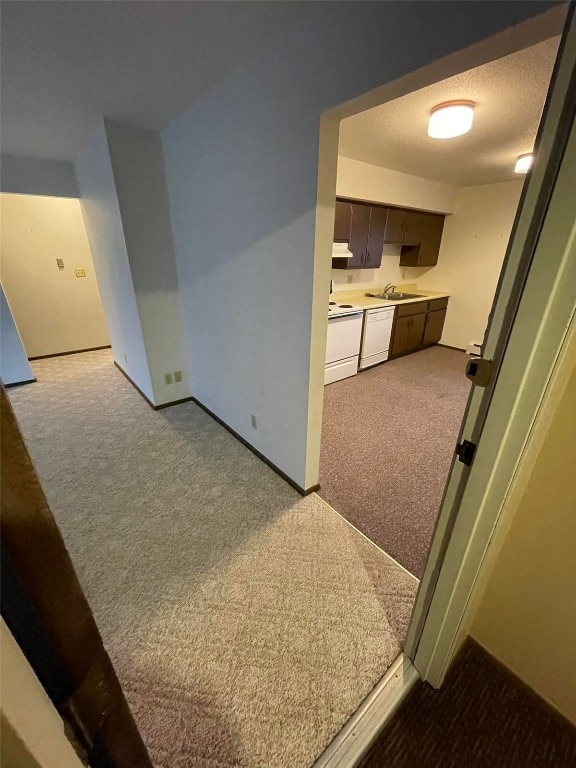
[(346, 306)]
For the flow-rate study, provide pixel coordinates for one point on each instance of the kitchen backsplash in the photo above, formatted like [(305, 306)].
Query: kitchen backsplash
[(389, 272)]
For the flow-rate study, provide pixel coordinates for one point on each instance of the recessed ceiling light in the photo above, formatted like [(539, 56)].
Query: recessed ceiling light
[(524, 163), (452, 118)]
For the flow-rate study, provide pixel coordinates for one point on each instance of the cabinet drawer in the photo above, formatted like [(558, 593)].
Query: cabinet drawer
[(341, 369), (438, 304), (412, 309)]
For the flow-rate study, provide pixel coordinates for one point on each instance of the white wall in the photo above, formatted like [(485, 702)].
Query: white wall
[(37, 176), (106, 237), (14, 365), (242, 169), (471, 254), (364, 181), (55, 311), (525, 612), (138, 167), (389, 271)]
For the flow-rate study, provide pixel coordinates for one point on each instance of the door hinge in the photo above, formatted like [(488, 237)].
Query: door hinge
[(465, 452), (479, 371)]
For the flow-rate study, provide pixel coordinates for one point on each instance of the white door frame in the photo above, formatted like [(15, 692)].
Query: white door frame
[(535, 303)]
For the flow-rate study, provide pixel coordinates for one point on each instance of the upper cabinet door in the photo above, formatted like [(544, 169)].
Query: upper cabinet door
[(342, 221), (395, 225), (376, 236), (422, 245), (431, 239), (415, 224), (359, 235)]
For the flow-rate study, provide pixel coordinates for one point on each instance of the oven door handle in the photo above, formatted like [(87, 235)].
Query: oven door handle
[(344, 314)]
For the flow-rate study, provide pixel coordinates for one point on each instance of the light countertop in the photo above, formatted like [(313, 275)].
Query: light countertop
[(359, 299)]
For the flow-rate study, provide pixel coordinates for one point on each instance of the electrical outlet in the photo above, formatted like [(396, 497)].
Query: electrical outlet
[(167, 378), (349, 278), (177, 376), (80, 272), (253, 421)]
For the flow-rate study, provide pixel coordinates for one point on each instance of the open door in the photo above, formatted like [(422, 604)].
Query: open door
[(47, 612), (529, 319)]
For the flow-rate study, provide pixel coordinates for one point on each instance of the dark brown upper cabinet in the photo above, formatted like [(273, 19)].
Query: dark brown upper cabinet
[(362, 226), (376, 236), (422, 242), (396, 221), (342, 221), (359, 232), (367, 227)]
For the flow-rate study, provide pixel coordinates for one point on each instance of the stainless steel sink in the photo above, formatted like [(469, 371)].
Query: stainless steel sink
[(395, 296)]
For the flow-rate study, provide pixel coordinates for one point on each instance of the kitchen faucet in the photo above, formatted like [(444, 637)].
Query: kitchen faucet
[(389, 288)]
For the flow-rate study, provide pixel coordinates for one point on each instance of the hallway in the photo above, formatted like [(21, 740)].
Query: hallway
[(246, 623)]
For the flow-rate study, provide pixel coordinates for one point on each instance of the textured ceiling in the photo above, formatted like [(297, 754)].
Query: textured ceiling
[(509, 95), (65, 64)]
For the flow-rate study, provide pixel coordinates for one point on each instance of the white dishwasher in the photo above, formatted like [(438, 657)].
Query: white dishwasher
[(376, 336)]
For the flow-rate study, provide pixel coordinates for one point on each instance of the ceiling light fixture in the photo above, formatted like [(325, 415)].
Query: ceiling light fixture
[(524, 163), (452, 118)]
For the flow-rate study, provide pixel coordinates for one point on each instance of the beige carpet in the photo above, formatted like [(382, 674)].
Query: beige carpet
[(246, 623)]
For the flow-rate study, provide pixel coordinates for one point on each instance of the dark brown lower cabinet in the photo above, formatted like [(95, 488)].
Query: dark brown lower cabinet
[(417, 325), (433, 327), (408, 334)]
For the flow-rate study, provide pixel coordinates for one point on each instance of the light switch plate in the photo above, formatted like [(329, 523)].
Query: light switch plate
[(80, 272), (177, 376), (60, 263)]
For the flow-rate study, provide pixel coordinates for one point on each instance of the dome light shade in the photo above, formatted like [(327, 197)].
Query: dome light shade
[(524, 163), (452, 118)]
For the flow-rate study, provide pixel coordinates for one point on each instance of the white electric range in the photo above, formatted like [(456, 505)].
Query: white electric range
[(343, 341)]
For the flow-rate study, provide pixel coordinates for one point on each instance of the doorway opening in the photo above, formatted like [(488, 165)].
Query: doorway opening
[(51, 300), (420, 234)]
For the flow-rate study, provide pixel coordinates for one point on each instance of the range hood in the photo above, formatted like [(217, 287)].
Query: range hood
[(341, 251)]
